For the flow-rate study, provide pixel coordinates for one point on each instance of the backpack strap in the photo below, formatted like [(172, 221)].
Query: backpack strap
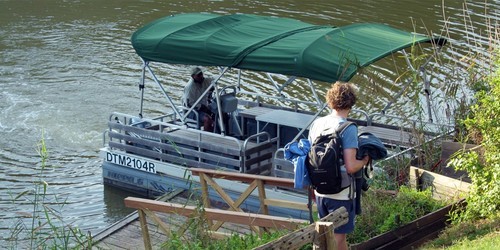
[(352, 184), (343, 126), (340, 129)]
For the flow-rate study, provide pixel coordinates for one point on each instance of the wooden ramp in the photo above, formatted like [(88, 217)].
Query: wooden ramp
[(126, 233), (173, 214)]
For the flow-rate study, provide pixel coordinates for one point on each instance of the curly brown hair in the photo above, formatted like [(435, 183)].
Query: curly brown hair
[(341, 96)]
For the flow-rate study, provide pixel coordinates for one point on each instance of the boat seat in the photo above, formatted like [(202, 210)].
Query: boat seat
[(193, 121)]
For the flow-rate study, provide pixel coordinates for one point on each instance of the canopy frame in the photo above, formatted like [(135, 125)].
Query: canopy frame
[(151, 41)]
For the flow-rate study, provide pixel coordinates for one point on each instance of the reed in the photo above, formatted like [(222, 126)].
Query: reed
[(44, 227), (463, 75)]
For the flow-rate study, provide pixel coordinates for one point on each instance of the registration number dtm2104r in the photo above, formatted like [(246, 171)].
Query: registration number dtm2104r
[(131, 162)]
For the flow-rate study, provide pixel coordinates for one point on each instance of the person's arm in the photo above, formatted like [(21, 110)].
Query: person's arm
[(350, 144), (188, 94), (352, 165)]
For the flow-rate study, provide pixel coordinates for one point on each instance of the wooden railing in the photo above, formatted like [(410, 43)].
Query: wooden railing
[(258, 182), (146, 208), (319, 233)]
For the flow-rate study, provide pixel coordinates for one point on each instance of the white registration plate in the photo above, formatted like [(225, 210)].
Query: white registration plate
[(131, 162)]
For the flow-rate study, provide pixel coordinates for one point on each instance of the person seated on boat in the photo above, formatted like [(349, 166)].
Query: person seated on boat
[(193, 91)]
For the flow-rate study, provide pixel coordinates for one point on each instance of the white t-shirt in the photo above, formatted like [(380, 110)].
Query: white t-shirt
[(328, 124), (193, 91)]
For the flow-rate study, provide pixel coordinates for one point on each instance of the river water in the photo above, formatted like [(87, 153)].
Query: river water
[(66, 65)]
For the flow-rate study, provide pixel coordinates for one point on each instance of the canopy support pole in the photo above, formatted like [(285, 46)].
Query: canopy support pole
[(427, 91), (288, 82), (142, 84), (275, 84), (309, 122), (315, 94), (164, 92), (217, 99)]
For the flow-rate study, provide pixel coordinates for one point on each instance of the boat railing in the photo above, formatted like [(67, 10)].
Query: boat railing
[(364, 116), (189, 147), (282, 167), (408, 124)]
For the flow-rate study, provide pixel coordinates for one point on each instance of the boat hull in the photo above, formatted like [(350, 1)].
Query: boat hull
[(169, 177)]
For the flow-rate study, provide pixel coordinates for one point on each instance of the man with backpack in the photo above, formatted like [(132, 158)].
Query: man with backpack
[(340, 98)]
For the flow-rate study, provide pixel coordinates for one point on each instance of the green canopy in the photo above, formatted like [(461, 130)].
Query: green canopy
[(270, 44)]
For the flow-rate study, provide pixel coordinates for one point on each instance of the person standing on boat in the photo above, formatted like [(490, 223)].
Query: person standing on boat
[(340, 98), (193, 91)]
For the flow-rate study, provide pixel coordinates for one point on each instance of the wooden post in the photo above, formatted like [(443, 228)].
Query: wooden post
[(324, 239), (144, 229), (204, 194), (418, 180), (204, 190), (302, 236), (262, 197)]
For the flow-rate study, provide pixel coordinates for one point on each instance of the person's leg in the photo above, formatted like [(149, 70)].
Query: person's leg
[(326, 206), (340, 233), (208, 124), (341, 240)]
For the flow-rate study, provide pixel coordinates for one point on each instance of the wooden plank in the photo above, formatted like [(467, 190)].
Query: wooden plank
[(403, 231), (115, 227), (233, 205), (324, 239), (144, 230), (443, 187), (302, 236), (448, 148), (414, 239), (262, 196), (246, 178), (126, 232), (284, 203), (215, 214), (121, 242)]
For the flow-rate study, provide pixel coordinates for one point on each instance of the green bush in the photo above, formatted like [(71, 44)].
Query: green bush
[(483, 165)]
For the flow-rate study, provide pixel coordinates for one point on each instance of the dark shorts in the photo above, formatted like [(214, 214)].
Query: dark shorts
[(327, 205)]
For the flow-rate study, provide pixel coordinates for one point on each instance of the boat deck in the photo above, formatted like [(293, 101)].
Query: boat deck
[(266, 116)]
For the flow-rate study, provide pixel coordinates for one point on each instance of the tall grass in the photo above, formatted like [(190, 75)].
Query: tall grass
[(467, 65), (44, 227)]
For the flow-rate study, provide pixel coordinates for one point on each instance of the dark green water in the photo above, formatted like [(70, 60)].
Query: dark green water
[(66, 65)]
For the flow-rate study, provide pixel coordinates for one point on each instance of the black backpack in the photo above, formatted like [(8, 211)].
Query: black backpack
[(324, 160)]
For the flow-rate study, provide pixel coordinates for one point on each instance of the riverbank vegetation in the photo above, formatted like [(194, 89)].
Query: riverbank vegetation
[(44, 227), (478, 225)]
